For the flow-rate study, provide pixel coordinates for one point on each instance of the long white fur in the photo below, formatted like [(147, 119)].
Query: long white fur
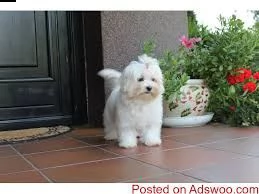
[(131, 110), (111, 76)]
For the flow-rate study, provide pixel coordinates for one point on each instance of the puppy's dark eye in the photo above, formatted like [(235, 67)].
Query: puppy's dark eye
[(141, 79), (153, 79)]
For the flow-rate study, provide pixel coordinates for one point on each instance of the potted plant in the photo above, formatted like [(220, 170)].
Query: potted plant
[(240, 105), (194, 95), (184, 99), (230, 50)]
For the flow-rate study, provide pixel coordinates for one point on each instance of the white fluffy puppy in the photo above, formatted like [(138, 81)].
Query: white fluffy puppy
[(134, 107)]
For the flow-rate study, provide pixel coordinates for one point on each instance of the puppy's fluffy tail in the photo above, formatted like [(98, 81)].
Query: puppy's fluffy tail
[(111, 76)]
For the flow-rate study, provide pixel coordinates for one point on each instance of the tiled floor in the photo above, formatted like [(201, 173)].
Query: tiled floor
[(213, 153)]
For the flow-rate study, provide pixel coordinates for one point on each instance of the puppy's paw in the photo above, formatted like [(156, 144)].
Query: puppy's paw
[(110, 136), (128, 144), (152, 142)]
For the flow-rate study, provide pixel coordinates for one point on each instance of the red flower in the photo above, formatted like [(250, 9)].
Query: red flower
[(231, 79), (256, 76), (247, 73), (240, 75), (232, 108), (240, 78), (250, 87)]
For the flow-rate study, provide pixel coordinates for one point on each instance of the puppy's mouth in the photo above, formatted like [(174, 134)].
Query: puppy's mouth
[(148, 92)]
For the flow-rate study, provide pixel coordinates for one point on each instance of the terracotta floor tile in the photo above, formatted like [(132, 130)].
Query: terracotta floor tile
[(205, 137), (95, 140), (167, 178), (13, 164), (236, 171), (246, 146), (244, 132), (84, 132), (181, 131), (72, 156), (23, 177), (48, 145), (200, 154), (141, 149), (185, 158), (6, 151), (115, 170)]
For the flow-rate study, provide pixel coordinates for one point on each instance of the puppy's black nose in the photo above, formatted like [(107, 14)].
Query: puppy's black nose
[(149, 88)]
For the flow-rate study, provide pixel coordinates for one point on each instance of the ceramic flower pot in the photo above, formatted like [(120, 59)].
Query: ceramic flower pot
[(193, 100)]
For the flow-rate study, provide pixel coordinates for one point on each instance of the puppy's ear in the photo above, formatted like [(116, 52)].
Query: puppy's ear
[(126, 81), (159, 78), (162, 88), (128, 78)]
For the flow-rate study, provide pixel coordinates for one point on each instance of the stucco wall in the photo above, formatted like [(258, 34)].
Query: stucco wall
[(124, 32)]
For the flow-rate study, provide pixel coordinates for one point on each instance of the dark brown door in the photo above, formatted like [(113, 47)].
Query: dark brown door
[(34, 69)]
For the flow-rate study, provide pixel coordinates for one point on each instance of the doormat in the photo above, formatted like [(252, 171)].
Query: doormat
[(23, 135)]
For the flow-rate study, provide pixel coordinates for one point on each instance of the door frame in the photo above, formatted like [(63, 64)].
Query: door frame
[(86, 58), (77, 67)]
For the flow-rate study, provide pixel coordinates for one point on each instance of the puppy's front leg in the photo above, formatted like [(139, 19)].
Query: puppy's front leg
[(152, 136), (127, 137)]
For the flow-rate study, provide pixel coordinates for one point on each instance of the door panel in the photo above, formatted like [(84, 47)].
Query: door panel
[(14, 52), (33, 65), (24, 45)]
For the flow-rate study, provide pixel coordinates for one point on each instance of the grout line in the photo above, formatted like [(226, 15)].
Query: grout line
[(210, 142), (128, 156), (4, 145), (164, 150), (33, 166), (222, 141), (10, 173), (183, 172), (182, 134), (149, 164), (160, 175), (111, 152), (144, 153), (193, 177), (81, 141), (65, 149), (227, 151), (10, 156), (84, 136), (146, 177), (80, 163), (78, 140), (213, 164)]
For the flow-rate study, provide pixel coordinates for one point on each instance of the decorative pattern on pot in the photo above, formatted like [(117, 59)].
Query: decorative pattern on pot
[(193, 100)]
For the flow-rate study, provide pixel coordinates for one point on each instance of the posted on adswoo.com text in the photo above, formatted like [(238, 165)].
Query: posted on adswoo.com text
[(193, 189)]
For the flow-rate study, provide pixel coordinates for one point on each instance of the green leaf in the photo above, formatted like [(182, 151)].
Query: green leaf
[(232, 90), (230, 67), (149, 47)]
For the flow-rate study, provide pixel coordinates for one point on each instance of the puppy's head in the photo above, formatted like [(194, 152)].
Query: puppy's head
[(142, 79)]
